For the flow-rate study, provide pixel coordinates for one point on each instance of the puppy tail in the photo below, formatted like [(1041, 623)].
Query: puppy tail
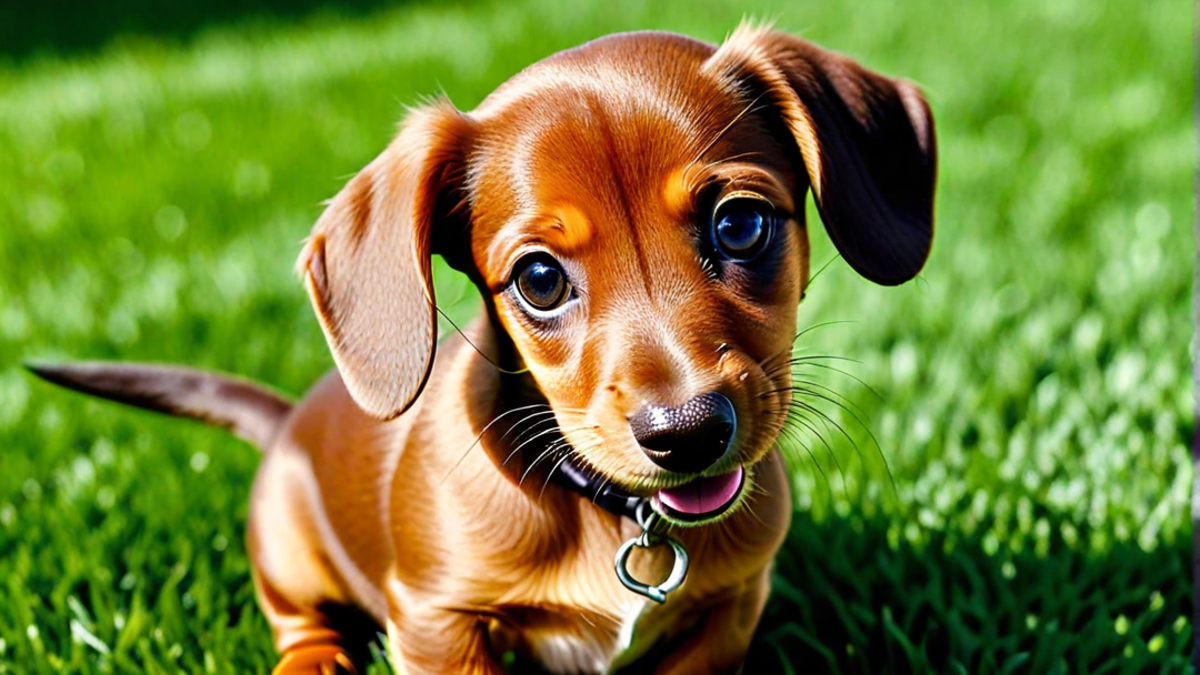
[(251, 411)]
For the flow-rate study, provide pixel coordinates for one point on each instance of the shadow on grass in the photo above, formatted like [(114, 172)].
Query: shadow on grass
[(847, 601), (70, 27)]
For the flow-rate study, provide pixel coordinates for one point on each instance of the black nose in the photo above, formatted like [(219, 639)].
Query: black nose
[(687, 438)]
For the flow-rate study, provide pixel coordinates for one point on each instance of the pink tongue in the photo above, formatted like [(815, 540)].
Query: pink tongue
[(704, 495)]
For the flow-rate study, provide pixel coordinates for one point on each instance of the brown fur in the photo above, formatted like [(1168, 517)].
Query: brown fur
[(413, 487)]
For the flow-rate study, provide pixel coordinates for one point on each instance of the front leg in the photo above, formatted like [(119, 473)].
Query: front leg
[(718, 645), (440, 641)]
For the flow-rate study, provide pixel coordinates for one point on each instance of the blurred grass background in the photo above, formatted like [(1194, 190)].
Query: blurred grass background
[(1014, 498)]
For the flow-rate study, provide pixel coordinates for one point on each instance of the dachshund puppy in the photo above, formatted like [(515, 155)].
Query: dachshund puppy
[(632, 211)]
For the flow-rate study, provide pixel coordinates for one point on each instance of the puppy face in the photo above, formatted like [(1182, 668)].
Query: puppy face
[(637, 230), (633, 212)]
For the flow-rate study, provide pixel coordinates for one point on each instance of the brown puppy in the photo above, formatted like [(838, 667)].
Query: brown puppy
[(632, 211)]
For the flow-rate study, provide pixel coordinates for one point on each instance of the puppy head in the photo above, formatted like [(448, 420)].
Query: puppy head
[(633, 212)]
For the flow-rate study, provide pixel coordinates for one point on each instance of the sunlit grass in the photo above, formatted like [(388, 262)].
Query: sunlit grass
[(1014, 499)]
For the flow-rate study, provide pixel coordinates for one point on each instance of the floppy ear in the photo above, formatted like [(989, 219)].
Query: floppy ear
[(867, 142), (367, 263)]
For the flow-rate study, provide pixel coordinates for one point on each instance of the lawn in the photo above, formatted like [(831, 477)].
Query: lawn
[(1005, 489)]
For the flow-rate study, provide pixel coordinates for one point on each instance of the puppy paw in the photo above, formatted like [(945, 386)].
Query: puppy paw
[(315, 660)]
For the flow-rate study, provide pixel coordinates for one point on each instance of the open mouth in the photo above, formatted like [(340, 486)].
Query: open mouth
[(702, 499)]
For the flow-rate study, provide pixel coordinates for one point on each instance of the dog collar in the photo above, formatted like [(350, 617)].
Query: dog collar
[(602, 493)]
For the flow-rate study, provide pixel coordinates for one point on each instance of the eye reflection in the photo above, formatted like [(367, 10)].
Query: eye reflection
[(542, 284), (742, 227)]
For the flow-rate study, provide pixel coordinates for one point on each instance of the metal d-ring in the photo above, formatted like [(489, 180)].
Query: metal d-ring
[(648, 518)]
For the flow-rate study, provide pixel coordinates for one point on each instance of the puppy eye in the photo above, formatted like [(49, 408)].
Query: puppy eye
[(541, 283), (742, 227)]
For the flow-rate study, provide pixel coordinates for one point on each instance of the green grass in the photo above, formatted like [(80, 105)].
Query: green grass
[(1024, 509)]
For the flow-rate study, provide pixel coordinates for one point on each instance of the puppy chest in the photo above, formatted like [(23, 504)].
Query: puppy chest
[(567, 642)]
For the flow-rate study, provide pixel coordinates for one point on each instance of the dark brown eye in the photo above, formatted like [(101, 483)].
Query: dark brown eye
[(542, 284), (742, 227)]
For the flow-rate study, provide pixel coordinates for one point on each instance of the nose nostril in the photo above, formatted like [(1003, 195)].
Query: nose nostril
[(661, 443), (718, 435), (715, 442)]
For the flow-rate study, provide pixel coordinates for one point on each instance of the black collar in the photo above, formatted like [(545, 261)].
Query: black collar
[(595, 489)]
